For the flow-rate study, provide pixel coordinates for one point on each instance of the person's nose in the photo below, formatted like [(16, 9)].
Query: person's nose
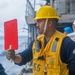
[(37, 24)]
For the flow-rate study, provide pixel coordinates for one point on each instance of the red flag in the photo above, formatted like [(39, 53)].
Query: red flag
[(11, 34)]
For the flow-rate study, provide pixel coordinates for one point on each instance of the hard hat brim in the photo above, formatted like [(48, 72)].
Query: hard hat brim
[(57, 17)]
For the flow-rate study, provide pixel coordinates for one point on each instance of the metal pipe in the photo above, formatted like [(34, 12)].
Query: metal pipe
[(51, 2), (34, 4)]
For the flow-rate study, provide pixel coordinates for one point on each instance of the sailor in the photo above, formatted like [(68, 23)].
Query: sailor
[(67, 30), (53, 53), (72, 36), (73, 26)]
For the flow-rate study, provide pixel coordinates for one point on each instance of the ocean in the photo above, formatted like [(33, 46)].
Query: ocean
[(10, 67)]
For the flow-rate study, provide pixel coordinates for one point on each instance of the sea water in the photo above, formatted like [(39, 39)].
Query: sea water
[(10, 67)]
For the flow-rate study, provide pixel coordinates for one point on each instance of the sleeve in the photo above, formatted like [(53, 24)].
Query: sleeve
[(67, 54), (26, 55)]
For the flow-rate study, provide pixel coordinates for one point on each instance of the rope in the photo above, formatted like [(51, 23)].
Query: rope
[(9, 68)]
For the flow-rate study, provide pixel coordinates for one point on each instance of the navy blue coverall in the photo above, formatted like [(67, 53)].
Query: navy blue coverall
[(67, 54)]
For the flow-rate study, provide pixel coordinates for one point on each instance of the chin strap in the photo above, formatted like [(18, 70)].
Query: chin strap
[(45, 25)]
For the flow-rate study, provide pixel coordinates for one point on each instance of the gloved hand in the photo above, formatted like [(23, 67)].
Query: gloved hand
[(10, 54)]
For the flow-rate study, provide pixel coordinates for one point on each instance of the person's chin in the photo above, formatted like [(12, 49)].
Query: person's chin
[(40, 33)]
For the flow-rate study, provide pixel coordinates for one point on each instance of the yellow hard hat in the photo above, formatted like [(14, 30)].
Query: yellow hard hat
[(46, 12)]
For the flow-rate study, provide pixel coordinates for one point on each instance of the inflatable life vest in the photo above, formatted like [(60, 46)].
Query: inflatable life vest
[(46, 59)]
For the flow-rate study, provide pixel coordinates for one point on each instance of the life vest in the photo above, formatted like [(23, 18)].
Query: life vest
[(46, 59)]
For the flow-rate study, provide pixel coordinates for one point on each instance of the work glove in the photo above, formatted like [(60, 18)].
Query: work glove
[(10, 54)]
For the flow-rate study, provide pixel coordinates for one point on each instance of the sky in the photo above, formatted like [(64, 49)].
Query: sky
[(13, 9)]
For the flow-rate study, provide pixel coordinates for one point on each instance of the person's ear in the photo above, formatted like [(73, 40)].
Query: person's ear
[(49, 23)]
